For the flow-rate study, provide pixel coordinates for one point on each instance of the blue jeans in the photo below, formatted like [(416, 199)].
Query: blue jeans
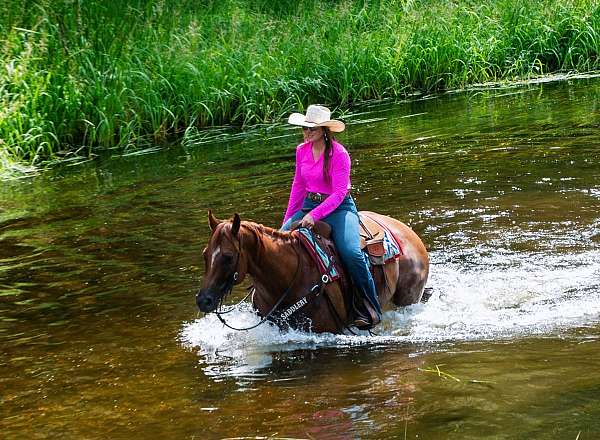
[(346, 236)]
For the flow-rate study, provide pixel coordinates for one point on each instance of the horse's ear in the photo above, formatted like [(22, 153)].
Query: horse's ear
[(235, 227), (213, 222)]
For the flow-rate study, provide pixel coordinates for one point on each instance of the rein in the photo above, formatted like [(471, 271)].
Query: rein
[(268, 315)]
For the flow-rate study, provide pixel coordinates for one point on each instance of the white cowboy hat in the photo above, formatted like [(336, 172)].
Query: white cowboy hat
[(316, 116)]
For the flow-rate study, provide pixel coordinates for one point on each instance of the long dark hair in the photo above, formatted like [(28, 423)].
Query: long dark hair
[(328, 138)]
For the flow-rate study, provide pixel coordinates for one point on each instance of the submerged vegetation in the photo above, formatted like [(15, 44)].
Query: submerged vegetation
[(78, 76)]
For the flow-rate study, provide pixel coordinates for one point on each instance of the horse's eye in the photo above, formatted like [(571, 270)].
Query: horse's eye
[(227, 258)]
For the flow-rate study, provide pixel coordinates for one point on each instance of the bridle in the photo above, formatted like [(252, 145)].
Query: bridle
[(232, 279)]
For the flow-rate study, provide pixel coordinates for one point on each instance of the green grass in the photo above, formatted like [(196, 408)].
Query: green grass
[(80, 75)]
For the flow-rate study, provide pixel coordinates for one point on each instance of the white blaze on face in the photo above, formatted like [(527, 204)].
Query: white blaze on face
[(214, 255)]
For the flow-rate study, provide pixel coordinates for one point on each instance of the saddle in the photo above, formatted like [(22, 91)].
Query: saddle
[(377, 242)]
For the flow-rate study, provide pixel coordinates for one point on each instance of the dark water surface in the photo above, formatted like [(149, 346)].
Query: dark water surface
[(99, 263)]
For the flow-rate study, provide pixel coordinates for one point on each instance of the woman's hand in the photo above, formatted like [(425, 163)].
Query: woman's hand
[(307, 221)]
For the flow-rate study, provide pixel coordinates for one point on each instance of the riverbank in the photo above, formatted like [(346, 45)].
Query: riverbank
[(82, 76)]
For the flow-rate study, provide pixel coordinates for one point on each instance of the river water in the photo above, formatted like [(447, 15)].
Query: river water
[(99, 263)]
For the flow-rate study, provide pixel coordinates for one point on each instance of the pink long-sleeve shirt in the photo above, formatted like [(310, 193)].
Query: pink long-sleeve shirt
[(309, 178)]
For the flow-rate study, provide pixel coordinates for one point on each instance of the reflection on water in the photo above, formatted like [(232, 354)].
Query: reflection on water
[(99, 263)]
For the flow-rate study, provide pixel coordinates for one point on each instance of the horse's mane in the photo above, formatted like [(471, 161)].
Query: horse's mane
[(265, 235), (260, 229)]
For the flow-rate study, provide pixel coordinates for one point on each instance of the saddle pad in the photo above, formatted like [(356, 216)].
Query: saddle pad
[(392, 250), (322, 257)]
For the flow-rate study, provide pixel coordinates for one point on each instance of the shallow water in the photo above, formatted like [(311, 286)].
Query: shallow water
[(99, 263)]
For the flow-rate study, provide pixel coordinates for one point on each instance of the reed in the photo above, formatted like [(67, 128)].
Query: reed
[(83, 76)]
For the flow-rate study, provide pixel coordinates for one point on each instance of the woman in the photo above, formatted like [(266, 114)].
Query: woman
[(321, 186)]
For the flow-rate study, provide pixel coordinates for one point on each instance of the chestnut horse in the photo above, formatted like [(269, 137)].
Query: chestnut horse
[(288, 285)]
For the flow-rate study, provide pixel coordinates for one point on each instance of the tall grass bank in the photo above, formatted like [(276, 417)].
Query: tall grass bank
[(77, 75)]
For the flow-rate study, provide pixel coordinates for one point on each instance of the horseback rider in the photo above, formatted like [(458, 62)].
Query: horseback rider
[(321, 186)]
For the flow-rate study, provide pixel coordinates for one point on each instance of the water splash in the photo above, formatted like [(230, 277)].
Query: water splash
[(503, 297), (529, 295)]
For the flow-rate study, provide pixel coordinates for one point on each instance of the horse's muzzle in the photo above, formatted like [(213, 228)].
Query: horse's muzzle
[(205, 299)]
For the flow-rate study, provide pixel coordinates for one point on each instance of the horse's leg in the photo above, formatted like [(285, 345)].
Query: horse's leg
[(409, 284)]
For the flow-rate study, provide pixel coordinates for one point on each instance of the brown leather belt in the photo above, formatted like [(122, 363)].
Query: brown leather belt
[(316, 197)]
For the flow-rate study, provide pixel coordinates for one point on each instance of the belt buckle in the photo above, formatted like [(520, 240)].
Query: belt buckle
[(316, 197)]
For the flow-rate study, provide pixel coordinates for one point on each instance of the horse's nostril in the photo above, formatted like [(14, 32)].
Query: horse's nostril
[(205, 302)]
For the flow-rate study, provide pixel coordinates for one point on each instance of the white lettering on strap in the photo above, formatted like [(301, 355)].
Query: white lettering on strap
[(293, 308)]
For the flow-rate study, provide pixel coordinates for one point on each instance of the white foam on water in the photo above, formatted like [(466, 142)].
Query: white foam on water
[(505, 296), (229, 352), (535, 295)]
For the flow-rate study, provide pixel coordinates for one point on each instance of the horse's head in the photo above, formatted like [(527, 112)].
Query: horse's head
[(223, 262)]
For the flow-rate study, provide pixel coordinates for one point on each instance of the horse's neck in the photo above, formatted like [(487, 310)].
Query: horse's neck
[(274, 265)]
